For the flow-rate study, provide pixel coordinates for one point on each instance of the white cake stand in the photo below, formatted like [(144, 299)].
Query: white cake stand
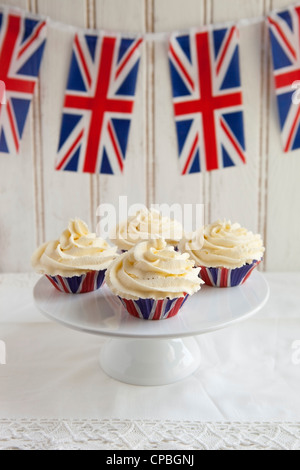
[(144, 352)]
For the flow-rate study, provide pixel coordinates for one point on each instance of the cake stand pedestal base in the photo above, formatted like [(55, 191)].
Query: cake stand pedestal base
[(150, 361)]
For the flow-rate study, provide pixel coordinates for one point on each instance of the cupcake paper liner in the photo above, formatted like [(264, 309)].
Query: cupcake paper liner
[(151, 309), (223, 277), (88, 282)]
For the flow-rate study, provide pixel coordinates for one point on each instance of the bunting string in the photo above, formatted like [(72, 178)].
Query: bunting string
[(100, 93), (147, 36)]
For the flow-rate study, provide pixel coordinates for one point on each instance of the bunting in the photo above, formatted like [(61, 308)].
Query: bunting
[(22, 44), (98, 104), (100, 93), (285, 43), (207, 99)]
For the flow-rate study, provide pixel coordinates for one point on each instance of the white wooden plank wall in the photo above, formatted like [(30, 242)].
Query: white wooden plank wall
[(264, 195)]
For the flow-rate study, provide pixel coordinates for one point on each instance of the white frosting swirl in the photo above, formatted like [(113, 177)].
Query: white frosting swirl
[(76, 252), (145, 225), (223, 244), (153, 269)]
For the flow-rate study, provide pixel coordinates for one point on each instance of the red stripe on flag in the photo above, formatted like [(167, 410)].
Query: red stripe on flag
[(34, 37), (83, 61), (233, 141), (82, 102), (190, 155), (287, 79), (78, 102), (61, 164), (100, 102), (21, 86), (217, 102), (291, 134), (221, 60), (115, 146), (206, 93), (8, 44), (13, 128), (121, 67), (177, 60), (283, 37)]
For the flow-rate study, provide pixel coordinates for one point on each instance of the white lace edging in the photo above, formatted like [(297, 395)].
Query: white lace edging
[(84, 434)]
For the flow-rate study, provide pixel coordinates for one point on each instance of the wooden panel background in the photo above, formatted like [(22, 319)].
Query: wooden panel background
[(263, 195)]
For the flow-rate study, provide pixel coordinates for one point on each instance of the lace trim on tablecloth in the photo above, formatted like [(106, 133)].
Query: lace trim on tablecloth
[(84, 434)]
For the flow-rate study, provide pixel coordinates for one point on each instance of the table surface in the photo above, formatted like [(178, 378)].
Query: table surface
[(54, 395)]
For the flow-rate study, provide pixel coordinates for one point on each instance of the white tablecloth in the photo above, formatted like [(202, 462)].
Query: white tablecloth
[(54, 395)]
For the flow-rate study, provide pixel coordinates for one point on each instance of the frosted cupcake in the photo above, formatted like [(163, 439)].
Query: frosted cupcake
[(226, 253), (145, 225), (152, 280), (77, 262)]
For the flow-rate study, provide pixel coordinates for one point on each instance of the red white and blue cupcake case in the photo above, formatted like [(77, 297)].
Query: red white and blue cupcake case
[(88, 282), (223, 277), (151, 309)]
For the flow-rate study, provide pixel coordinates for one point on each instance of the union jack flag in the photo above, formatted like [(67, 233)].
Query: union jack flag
[(151, 309), (207, 99), (285, 43), (88, 282), (98, 104), (22, 43), (223, 277)]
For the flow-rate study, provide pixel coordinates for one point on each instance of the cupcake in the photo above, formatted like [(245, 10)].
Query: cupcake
[(145, 225), (153, 280), (77, 262), (226, 253)]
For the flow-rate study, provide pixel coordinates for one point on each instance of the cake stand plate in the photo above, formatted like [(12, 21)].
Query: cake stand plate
[(143, 352)]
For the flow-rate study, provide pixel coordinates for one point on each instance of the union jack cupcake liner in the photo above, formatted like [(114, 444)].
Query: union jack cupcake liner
[(88, 282), (151, 309), (223, 277)]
